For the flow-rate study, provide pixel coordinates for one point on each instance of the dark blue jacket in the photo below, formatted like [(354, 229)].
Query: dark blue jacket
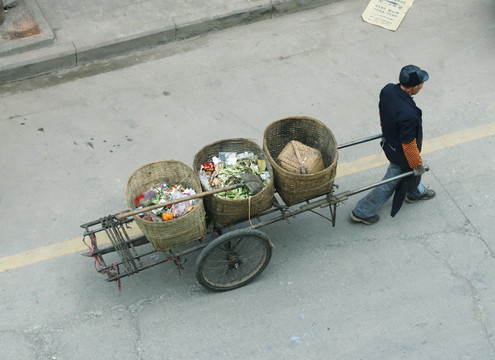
[(400, 120)]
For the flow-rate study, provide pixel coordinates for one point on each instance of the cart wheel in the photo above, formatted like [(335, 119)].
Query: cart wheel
[(233, 259)]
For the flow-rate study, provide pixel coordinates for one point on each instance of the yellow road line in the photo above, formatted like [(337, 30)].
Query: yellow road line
[(343, 169), (429, 146), (361, 164), (55, 250), (458, 137)]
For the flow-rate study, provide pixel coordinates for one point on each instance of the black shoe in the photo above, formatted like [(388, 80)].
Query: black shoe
[(429, 194), (368, 221)]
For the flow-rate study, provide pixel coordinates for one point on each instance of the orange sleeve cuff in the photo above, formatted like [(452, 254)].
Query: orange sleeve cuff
[(411, 152)]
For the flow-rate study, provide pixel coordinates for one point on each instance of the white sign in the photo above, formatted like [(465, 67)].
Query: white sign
[(387, 14)]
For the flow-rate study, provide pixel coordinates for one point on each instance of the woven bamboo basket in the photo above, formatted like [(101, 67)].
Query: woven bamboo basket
[(227, 211), (182, 230), (293, 187)]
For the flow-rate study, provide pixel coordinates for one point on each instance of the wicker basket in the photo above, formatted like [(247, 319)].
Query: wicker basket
[(182, 230), (227, 211), (292, 187)]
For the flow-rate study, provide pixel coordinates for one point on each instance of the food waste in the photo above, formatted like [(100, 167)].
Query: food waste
[(226, 169)]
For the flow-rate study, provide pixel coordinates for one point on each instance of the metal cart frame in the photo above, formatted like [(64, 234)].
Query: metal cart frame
[(229, 258)]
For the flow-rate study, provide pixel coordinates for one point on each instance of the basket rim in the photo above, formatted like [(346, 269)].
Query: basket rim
[(156, 162), (226, 141), (288, 173)]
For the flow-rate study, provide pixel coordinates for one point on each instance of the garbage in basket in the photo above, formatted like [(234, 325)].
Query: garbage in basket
[(299, 158)]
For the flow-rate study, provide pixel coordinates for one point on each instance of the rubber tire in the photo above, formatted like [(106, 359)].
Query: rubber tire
[(215, 250)]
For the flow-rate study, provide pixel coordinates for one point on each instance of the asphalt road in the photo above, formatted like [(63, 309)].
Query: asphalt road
[(417, 286)]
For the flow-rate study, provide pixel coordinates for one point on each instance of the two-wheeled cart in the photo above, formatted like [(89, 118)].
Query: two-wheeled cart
[(229, 257)]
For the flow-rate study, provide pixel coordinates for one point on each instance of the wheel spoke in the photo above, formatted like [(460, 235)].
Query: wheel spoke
[(233, 259)]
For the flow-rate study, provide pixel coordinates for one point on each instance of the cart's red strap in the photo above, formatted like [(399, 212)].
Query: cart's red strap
[(92, 236), (115, 267), (118, 274), (97, 262), (175, 259), (91, 250), (285, 216)]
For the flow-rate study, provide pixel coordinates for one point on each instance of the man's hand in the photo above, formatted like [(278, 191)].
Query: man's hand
[(420, 170)]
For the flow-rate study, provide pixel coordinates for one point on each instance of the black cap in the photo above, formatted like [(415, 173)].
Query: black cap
[(411, 75)]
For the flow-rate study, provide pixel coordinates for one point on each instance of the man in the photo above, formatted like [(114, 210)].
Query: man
[(402, 136)]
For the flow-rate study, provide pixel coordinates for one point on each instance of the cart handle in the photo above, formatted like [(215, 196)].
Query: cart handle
[(126, 214), (346, 194), (355, 142)]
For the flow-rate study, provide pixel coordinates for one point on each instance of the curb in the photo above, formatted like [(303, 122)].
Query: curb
[(47, 56)]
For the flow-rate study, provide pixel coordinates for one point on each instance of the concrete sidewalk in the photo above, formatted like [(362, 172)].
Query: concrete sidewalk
[(65, 34)]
